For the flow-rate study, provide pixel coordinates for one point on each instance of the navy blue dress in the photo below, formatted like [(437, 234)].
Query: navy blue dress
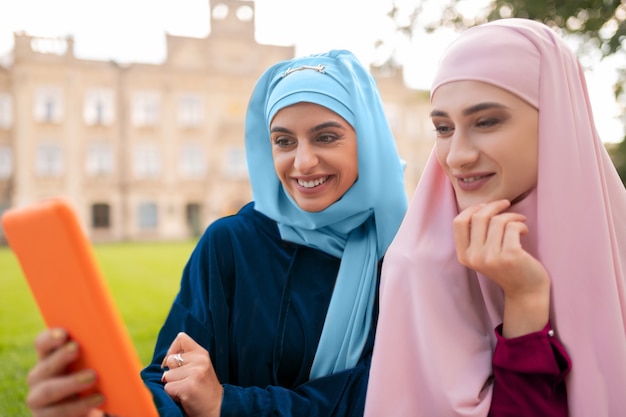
[(258, 305)]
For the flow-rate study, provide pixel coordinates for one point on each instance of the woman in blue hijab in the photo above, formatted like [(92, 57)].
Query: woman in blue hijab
[(277, 309)]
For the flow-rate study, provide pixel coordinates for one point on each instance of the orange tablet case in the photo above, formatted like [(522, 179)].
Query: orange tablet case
[(69, 288)]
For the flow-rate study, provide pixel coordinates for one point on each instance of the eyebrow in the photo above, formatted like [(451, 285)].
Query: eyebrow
[(471, 110), (317, 128)]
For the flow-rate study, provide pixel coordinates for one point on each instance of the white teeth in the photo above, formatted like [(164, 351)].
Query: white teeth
[(470, 179), (311, 184)]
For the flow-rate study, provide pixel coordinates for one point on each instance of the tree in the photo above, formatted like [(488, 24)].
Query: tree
[(618, 154), (599, 25)]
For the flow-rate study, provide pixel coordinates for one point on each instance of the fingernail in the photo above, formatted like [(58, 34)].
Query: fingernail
[(96, 399), (71, 347), (163, 379), (163, 364), (57, 334), (85, 377)]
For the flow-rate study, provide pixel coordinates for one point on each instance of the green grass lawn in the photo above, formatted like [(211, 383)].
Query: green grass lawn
[(143, 278)]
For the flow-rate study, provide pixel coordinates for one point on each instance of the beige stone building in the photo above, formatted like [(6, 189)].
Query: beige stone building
[(148, 151)]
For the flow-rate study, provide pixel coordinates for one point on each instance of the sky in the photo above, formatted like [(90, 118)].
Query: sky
[(134, 31)]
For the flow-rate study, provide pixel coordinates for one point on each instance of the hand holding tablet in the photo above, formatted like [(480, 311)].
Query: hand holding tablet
[(70, 290)]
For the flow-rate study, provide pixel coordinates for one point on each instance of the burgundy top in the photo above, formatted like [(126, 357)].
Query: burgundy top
[(529, 375)]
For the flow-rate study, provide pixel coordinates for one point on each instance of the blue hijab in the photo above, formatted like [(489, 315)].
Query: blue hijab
[(357, 228)]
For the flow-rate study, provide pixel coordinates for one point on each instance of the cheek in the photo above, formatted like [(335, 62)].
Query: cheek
[(530, 151), (531, 169), (279, 167), (519, 168), (355, 164), (279, 163), (441, 150)]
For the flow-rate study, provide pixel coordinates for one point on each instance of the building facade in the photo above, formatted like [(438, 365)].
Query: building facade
[(154, 151)]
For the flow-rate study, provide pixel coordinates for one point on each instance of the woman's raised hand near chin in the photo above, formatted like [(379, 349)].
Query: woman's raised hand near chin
[(488, 241), (51, 390)]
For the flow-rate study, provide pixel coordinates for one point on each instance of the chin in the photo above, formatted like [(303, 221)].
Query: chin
[(311, 208)]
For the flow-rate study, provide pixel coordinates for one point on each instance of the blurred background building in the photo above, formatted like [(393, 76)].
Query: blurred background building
[(146, 151)]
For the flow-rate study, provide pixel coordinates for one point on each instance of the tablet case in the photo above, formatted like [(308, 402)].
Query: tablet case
[(59, 264)]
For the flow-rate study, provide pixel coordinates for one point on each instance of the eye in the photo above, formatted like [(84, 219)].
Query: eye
[(487, 122), (443, 130), (283, 141), (326, 138)]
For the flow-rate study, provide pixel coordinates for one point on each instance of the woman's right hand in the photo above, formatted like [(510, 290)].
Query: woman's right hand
[(488, 240), (52, 391)]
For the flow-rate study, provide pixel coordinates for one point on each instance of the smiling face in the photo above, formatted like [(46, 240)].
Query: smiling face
[(315, 154), (487, 141)]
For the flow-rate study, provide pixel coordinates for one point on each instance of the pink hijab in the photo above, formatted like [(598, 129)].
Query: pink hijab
[(435, 337)]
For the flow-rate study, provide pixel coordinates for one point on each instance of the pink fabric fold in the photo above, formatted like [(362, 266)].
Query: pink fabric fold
[(434, 342)]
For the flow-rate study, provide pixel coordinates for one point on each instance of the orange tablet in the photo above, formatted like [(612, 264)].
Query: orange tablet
[(69, 288)]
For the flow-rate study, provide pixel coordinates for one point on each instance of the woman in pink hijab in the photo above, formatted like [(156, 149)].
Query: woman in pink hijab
[(519, 225)]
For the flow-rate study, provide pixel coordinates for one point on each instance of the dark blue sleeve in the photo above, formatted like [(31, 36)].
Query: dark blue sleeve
[(340, 394), (194, 313)]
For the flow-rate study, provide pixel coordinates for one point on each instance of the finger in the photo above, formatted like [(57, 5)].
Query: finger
[(461, 228), (496, 230), (195, 362), (77, 407), (173, 361), (182, 343), (174, 375), (49, 340), (512, 233), (53, 364), (174, 388), (179, 381), (481, 219), (53, 390)]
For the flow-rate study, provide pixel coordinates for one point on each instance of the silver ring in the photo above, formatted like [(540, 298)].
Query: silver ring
[(179, 359)]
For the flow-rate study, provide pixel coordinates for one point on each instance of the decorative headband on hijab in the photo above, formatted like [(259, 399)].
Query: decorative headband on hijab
[(318, 68)]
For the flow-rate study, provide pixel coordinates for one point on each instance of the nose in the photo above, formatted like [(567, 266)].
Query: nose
[(461, 151), (306, 158)]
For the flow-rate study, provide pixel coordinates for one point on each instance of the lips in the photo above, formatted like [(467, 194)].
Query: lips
[(312, 183), (472, 182)]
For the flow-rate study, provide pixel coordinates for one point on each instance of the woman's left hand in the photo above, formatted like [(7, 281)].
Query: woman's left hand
[(191, 378)]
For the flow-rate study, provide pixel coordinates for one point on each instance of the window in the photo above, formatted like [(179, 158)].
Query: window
[(49, 160), (99, 159), (145, 109), (220, 11), (148, 216), (194, 217), (192, 161), (100, 216), (190, 110), (147, 161), (6, 162), (235, 163), (99, 107), (49, 46), (48, 105), (6, 111), (4, 206)]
